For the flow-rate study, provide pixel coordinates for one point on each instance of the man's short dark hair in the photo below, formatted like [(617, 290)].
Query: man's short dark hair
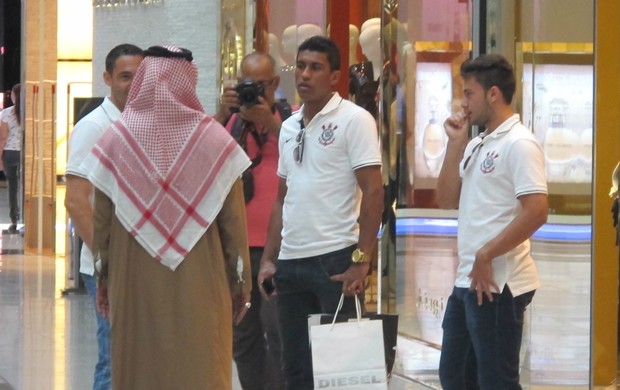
[(491, 70), (125, 49), (323, 45)]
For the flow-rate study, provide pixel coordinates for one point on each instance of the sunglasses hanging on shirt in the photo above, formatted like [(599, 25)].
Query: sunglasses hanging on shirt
[(298, 152)]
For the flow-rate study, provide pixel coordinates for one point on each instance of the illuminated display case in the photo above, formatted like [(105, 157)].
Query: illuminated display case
[(433, 102), (561, 119), (557, 96), (436, 93)]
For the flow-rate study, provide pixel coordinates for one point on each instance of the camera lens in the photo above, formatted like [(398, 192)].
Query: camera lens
[(249, 92), (248, 97)]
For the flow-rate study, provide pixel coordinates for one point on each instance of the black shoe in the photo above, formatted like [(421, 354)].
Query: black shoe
[(13, 228)]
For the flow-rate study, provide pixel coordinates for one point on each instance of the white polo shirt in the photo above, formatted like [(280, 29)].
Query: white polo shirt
[(84, 136), (322, 202), (508, 164)]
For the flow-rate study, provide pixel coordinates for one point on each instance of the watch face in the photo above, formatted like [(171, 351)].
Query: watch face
[(357, 256)]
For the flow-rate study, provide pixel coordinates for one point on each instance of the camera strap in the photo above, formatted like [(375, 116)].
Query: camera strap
[(240, 131)]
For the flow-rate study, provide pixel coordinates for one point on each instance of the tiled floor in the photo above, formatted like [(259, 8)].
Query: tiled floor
[(47, 338)]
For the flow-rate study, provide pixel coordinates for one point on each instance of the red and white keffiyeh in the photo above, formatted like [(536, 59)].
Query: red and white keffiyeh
[(165, 164)]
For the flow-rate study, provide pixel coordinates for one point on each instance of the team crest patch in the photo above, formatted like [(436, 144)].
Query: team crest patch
[(488, 164), (327, 136)]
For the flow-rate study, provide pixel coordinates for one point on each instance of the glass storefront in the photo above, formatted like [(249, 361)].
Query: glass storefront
[(403, 59)]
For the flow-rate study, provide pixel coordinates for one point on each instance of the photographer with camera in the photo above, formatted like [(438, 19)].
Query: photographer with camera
[(253, 98), (253, 117)]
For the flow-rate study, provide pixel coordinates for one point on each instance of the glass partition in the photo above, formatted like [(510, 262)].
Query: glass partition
[(555, 63), (422, 90)]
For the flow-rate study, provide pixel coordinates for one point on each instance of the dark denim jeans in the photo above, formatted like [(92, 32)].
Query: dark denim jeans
[(102, 378), (256, 340), (304, 288), (481, 344)]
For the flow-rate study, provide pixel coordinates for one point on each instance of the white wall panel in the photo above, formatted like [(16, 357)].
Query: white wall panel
[(192, 24)]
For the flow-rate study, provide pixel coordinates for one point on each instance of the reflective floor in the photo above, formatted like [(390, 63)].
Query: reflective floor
[(47, 323), (47, 337)]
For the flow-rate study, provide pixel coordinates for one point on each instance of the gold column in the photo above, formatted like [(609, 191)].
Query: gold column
[(40, 59), (606, 156)]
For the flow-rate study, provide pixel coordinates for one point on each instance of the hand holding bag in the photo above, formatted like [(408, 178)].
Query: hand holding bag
[(348, 355)]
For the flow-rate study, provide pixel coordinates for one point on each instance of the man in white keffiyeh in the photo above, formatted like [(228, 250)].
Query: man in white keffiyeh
[(170, 232)]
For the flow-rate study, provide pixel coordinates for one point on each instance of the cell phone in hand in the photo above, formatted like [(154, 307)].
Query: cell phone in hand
[(268, 286)]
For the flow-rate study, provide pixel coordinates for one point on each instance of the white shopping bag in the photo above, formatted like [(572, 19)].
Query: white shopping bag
[(348, 355)]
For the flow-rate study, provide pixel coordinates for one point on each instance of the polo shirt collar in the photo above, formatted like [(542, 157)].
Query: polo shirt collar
[(504, 128), (331, 105), (110, 109)]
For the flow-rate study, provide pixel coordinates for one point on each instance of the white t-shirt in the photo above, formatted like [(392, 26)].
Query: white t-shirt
[(323, 199), (14, 140), (508, 164), (85, 135)]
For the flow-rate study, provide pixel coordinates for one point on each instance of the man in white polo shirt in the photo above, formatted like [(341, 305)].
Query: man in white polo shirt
[(328, 209), (121, 65), (497, 181)]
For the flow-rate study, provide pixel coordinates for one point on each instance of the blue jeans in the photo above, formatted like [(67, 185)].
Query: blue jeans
[(481, 344), (102, 378), (304, 288)]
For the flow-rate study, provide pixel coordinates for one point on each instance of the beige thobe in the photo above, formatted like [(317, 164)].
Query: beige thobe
[(173, 330)]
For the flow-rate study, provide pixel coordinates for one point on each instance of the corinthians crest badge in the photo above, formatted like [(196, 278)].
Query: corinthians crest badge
[(488, 164), (327, 136)]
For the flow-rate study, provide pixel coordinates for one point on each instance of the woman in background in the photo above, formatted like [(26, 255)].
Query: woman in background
[(11, 131)]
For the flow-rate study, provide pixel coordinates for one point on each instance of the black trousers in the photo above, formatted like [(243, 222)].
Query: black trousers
[(11, 160), (256, 340)]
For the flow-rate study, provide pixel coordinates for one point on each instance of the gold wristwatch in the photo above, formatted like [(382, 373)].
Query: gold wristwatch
[(359, 257)]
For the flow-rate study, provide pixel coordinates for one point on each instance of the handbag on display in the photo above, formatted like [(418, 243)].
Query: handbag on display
[(350, 354)]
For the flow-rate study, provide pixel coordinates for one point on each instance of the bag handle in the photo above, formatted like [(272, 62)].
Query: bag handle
[(358, 309)]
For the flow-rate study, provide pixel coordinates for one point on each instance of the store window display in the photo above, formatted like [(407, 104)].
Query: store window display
[(371, 47), (289, 43), (274, 49), (557, 101), (354, 38), (364, 76), (370, 22), (306, 31), (292, 37), (287, 70), (433, 104), (423, 42)]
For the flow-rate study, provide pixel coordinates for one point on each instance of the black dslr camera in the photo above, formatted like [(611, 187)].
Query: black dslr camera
[(248, 92)]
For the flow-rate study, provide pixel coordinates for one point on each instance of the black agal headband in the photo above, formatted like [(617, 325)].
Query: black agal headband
[(160, 51)]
